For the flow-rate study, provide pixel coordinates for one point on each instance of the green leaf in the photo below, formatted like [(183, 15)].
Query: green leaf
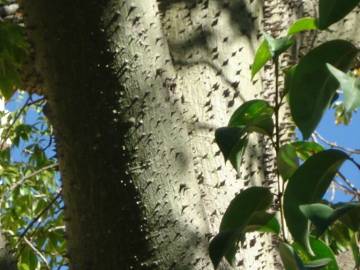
[(232, 142), (245, 213), (290, 259), (262, 56), (287, 157), (303, 24), (254, 115), (322, 216), (313, 86), (351, 87), (269, 49), (331, 11), (308, 185), (323, 255)]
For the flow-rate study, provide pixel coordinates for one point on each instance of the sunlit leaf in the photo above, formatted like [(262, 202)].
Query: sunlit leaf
[(303, 24)]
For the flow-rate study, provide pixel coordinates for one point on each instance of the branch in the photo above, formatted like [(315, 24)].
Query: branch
[(334, 145), (42, 212), (27, 241), (22, 180)]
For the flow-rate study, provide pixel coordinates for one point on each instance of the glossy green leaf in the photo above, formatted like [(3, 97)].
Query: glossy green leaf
[(308, 185), (290, 259), (232, 142), (313, 86), (323, 255), (288, 154), (355, 248), (254, 115), (322, 215), (269, 49), (262, 56), (350, 86), (303, 24), (331, 11), (245, 213)]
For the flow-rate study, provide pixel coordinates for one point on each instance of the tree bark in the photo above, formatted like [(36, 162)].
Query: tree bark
[(135, 91)]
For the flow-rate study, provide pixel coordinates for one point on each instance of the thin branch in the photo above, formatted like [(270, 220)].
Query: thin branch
[(27, 241), (22, 180), (36, 219), (334, 145)]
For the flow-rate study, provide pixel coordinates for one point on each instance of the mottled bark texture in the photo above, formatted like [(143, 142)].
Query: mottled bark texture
[(135, 91)]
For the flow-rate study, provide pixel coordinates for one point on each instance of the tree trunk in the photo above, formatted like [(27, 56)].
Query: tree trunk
[(135, 92)]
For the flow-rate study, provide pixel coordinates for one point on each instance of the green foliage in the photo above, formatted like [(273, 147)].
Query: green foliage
[(30, 206), (305, 167), (13, 52)]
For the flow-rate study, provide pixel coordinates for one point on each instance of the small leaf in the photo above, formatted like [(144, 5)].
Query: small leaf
[(331, 11), (351, 87), (290, 259), (313, 86), (245, 212), (308, 185), (303, 24), (262, 56), (254, 115), (232, 142), (322, 216), (269, 49)]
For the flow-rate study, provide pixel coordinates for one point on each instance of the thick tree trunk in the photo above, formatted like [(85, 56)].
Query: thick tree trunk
[(135, 90)]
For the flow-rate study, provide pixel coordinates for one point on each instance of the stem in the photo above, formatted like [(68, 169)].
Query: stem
[(277, 146)]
